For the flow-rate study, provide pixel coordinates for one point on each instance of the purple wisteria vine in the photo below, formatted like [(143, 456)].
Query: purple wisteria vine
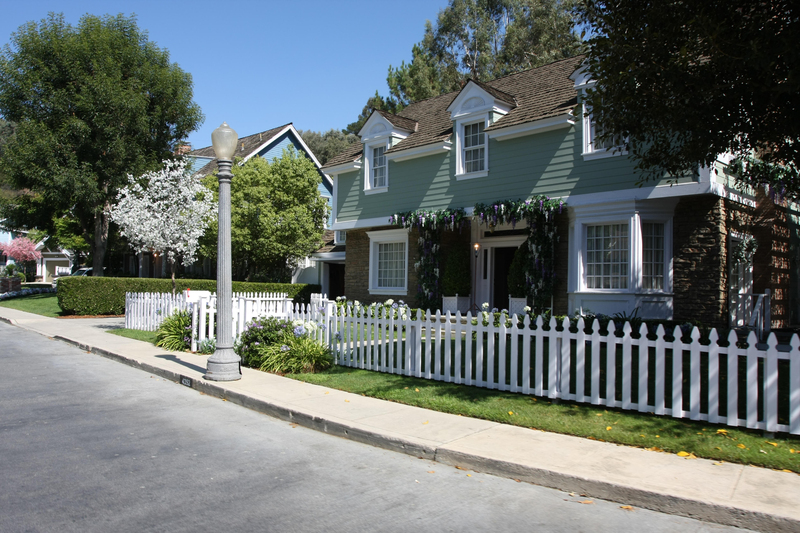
[(430, 225), (539, 213)]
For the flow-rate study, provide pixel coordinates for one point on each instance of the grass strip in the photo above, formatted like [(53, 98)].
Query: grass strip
[(657, 433), (40, 304), (135, 334)]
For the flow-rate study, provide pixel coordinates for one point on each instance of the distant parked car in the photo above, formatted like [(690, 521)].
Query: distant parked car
[(85, 271)]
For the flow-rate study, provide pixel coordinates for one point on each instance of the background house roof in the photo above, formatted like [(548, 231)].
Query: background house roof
[(246, 147), (534, 94)]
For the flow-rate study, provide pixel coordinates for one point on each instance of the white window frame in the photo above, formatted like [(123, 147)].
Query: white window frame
[(590, 151), (386, 237), (635, 220), (460, 127), (369, 150), (624, 278), (339, 236)]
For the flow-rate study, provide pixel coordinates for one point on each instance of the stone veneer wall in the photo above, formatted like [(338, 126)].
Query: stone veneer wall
[(560, 296), (702, 226), (356, 271), (700, 271)]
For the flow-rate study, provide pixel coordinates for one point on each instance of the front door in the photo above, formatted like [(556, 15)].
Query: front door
[(502, 264)]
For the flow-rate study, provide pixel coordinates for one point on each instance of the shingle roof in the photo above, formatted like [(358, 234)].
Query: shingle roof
[(246, 146), (399, 121), (535, 94), (327, 243)]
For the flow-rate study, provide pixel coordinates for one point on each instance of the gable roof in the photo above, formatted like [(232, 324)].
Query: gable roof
[(534, 94), (246, 147)]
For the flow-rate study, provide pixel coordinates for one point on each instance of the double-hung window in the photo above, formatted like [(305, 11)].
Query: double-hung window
[(378, 170), (607, 256), (474, 148), (652, 256), (388, 262)]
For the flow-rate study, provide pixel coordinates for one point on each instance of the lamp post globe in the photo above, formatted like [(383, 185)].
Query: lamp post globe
[(224, 364)]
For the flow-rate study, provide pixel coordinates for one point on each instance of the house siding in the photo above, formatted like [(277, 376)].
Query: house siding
[(548, 163)]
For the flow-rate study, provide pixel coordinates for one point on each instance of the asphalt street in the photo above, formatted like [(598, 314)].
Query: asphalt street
[(88, 444)]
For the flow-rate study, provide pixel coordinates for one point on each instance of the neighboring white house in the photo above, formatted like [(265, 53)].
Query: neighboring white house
[(53, 263)]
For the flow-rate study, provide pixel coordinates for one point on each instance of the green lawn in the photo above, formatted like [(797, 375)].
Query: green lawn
[(665, 434), (146, 336), (40, 304)]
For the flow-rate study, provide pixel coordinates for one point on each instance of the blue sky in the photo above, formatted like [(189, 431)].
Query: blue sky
[(261, 64)]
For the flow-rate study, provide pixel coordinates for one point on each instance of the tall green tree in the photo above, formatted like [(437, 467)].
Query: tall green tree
[(277, 216), (376, 102), (483, 40), (683, 81), (328, 144), (91, 104)]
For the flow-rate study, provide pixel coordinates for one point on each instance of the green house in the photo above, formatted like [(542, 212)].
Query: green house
[(660, 249)]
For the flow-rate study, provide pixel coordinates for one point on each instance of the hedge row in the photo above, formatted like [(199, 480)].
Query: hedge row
[(86, 295)]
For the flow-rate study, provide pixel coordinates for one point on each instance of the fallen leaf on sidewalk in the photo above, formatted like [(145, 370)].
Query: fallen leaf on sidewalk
[(293, 425), (572, 494), (719, 463), (327, 392), (787, 470), (431, 471), (425, 422), (626, 507), (348, 401), (586, 502), (460, 468)]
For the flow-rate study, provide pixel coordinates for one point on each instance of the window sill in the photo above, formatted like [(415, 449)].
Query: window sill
[(471, 175), (376, 190), (601, 154), (389, 292)]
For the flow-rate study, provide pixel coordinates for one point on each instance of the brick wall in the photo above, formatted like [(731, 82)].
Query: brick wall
[(699, 260)]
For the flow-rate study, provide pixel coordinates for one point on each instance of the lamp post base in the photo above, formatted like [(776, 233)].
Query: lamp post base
[(224, 365)]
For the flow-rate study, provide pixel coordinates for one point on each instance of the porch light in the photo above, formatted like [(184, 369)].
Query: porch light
[(477, 247)]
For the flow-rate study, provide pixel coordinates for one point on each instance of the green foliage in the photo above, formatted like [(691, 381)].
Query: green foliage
[(517, 287), (86, 295), (456, 277), (326, 145), (683, 82), (175, 332), (207, 346), (295, 354), (261, 332), (277, 215), (476, 39), (91, 104), (374, 103)]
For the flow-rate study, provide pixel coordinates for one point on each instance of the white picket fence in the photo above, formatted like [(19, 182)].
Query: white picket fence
[(756, 387), (714, 380), (145, 310), (247, 306)]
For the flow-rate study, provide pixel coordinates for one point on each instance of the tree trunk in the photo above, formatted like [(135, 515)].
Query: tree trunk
[(172, 267), (100, 242)]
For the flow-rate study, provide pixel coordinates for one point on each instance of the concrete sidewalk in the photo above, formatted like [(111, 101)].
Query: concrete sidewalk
[(744, 496)]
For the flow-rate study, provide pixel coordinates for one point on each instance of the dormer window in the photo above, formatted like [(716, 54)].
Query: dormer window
[(378, 170), (474, 150), (592, 147)]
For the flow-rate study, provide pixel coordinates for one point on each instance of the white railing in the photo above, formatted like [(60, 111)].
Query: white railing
[(750, 310), (651, 372), (145, 311)]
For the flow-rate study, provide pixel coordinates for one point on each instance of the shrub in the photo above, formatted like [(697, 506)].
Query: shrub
[(294, 355), (259, 333), (207, 346), (456, 275), (175, 332), (517, 287), (87, 295)]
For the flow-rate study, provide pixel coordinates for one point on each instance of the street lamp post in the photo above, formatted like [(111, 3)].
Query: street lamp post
[(224, 364)]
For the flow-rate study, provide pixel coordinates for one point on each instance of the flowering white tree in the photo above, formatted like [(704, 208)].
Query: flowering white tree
[(166, 211)]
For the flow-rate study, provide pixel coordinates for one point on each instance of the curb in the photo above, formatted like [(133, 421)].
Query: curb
[(645, 499)]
